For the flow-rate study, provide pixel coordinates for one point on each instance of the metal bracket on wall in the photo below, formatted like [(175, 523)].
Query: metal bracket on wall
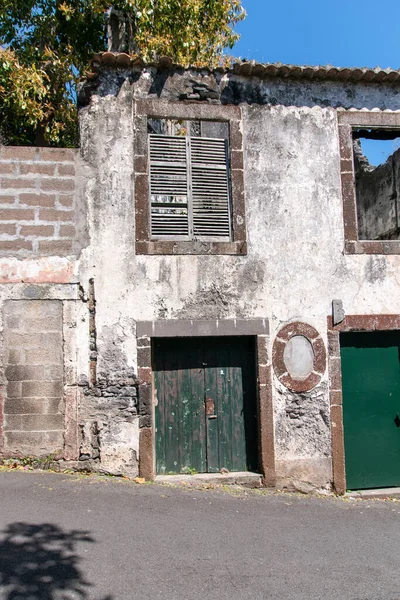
[(337, 312)]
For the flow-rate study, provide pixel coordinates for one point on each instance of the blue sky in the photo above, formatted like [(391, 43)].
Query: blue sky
[(344, 33)]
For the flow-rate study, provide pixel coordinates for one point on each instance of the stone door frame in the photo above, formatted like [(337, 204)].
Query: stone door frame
[(349, 324), (257, 328)]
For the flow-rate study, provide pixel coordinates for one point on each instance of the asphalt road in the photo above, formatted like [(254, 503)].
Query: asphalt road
[(65, 537)]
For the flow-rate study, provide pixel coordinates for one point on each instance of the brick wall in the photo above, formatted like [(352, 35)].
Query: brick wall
[(33, 358), (37, 201)]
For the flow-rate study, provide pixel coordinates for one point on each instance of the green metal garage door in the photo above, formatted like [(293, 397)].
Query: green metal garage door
[(206, 404), (371, 408)]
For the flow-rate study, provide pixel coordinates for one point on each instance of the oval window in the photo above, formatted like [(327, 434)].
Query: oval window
[(298, 357)]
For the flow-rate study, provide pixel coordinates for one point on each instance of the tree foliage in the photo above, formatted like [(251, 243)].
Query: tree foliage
[(47, 46)]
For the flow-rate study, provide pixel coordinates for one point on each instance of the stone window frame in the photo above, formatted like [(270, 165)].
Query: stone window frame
[(349, 324), (162, 109), (347, 121), (146, 331), (319, 365)]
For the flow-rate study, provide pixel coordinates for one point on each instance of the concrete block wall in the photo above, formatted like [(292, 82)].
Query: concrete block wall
[(33, 360), (38, 188)]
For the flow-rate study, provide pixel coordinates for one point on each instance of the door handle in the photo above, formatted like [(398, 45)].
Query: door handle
[(397, 420)]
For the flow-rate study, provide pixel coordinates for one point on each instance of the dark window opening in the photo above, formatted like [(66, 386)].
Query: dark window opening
[(377, 176), (189, 179)]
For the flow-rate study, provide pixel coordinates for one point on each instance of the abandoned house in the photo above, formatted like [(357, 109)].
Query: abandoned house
[(211, 282)]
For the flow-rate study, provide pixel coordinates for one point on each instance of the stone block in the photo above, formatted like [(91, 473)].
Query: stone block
[(53, 372), (14, 389), (38, 443), (13, 422), (13, 322), (144, 357), (43, 422), (43, 325), (34, 308), (23, 372), (43, 356), (42, 389), (24, 406), (14, 356)]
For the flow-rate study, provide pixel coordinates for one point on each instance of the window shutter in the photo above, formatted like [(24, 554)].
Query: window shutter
[(168, 186), (210, 188)]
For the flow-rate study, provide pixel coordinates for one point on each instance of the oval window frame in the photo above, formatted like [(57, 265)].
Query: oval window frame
[(278, 363)]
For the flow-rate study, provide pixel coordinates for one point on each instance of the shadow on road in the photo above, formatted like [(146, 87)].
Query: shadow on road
[(40, 562)]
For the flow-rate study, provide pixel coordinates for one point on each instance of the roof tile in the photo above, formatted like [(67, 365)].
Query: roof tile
[(253, 69)]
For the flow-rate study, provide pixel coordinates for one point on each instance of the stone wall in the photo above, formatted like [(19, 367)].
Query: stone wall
[(34, 372), (378, 198)]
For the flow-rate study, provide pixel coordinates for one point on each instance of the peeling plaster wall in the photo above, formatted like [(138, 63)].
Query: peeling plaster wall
[(295, 264)]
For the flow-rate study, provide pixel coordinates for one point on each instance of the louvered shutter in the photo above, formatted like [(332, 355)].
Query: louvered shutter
[(168, 186), (210, 188), (189, 187)]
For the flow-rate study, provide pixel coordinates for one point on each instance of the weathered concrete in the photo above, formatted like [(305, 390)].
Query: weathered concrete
[(245, 478), (33, 408), (295, 264), (377, 494)]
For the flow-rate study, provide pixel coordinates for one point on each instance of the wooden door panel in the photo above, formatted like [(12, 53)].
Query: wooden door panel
[(205, 375), (191, 408), (180, 427), (230, 381)]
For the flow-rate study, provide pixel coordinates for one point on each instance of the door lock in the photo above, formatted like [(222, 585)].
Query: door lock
[(210, 408)]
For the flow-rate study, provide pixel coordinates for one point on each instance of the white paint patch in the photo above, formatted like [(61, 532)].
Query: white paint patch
[(298, 357)]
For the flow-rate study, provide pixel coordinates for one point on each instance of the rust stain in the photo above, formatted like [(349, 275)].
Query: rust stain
[(42, 270), (210, 406)]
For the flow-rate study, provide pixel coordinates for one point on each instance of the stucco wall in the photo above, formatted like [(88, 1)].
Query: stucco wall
[(295, 264)]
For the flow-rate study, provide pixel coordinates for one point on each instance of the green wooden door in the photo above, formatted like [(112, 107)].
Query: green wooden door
[(371, 408), (206, 415)]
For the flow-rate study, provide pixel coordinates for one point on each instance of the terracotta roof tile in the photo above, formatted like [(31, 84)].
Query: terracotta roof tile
[(254, 69)]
